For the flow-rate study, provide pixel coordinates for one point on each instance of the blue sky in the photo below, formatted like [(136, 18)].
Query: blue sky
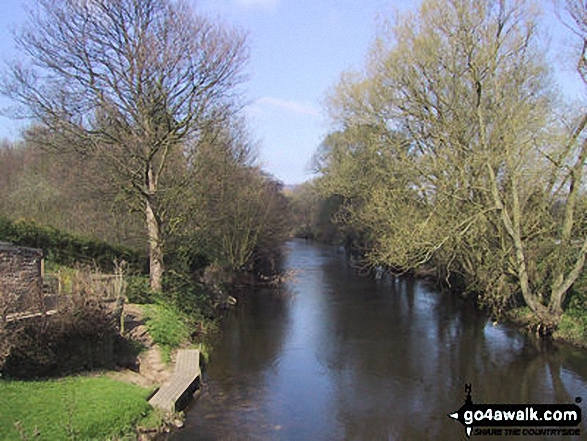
[(298, 50)]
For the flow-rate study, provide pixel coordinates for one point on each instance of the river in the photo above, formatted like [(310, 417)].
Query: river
[(331, 355)]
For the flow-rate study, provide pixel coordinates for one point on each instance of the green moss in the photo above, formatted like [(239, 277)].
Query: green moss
[(205, 349), (72, 408)]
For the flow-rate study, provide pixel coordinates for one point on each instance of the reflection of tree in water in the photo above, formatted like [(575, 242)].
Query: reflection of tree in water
[(395, 355), (402, 357), (231, 405), (383, 356), (253, 334)]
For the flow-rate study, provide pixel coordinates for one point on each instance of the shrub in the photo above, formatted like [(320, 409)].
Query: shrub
[(187, 295), (81, 335), (138, 290)]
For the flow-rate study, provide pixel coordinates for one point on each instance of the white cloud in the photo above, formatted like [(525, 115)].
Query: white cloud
[(265, 4), (291, 106)]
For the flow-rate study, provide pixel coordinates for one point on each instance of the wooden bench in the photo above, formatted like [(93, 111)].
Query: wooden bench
[(184, 382)]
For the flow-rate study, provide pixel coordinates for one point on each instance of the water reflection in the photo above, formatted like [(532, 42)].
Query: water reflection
[(333, 356)]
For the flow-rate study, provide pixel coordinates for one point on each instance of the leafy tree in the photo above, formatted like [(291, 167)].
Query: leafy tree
[(451, 142)]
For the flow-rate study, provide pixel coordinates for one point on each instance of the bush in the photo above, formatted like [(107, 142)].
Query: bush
[(80, 336), (138, 290), (187, 295)]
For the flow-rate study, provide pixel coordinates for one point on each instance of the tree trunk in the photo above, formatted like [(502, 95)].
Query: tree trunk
[(156, 267), (563, 283), (155, 249), (513, 228), (560, 290)]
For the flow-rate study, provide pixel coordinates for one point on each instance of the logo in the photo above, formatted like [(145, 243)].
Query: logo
[(516, 419)]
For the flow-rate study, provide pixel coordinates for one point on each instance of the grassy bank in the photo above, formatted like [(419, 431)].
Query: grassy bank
[(171, 329), (168, 327), (94, 407), (73, 408), (571, 330)]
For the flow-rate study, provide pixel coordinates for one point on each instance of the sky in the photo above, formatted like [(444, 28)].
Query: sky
[(298, 49)]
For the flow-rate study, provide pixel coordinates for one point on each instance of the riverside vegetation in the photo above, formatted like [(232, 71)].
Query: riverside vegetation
[(453, 153), (136, 158), (88, 335)]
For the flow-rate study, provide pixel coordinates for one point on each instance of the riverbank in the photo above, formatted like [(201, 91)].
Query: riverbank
[(81, 407), (571, 330), (160, 331), (89, 331), (98, 405), (327, 354)]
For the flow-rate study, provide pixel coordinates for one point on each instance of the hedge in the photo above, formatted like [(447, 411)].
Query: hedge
[(67, 249)]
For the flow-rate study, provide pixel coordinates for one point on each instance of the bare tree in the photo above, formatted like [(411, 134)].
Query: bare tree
[(133, 83), (238, 210)]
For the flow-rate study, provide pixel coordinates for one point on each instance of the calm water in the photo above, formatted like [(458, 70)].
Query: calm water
[(334, 356)]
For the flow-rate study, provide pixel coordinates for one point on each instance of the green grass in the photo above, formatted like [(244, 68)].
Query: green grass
[(573, 327), (168, 327), (88, 408)]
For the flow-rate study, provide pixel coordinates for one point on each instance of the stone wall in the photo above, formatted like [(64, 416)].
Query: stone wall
[(21, 280)]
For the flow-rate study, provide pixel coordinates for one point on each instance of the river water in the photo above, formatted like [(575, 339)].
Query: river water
[(331, 355)]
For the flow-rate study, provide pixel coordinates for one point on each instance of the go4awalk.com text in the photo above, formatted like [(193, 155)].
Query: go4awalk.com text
[(518, 419)]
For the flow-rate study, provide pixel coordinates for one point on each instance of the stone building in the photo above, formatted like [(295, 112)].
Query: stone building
[(21, 278)]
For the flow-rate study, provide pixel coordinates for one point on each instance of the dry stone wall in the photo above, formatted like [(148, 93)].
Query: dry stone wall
[(21, 279)]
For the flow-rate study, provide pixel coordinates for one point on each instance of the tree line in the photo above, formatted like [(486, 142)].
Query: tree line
[(452, 148), (137, 136)]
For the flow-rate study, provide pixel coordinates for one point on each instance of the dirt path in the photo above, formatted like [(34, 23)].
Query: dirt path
[(152, 370)]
